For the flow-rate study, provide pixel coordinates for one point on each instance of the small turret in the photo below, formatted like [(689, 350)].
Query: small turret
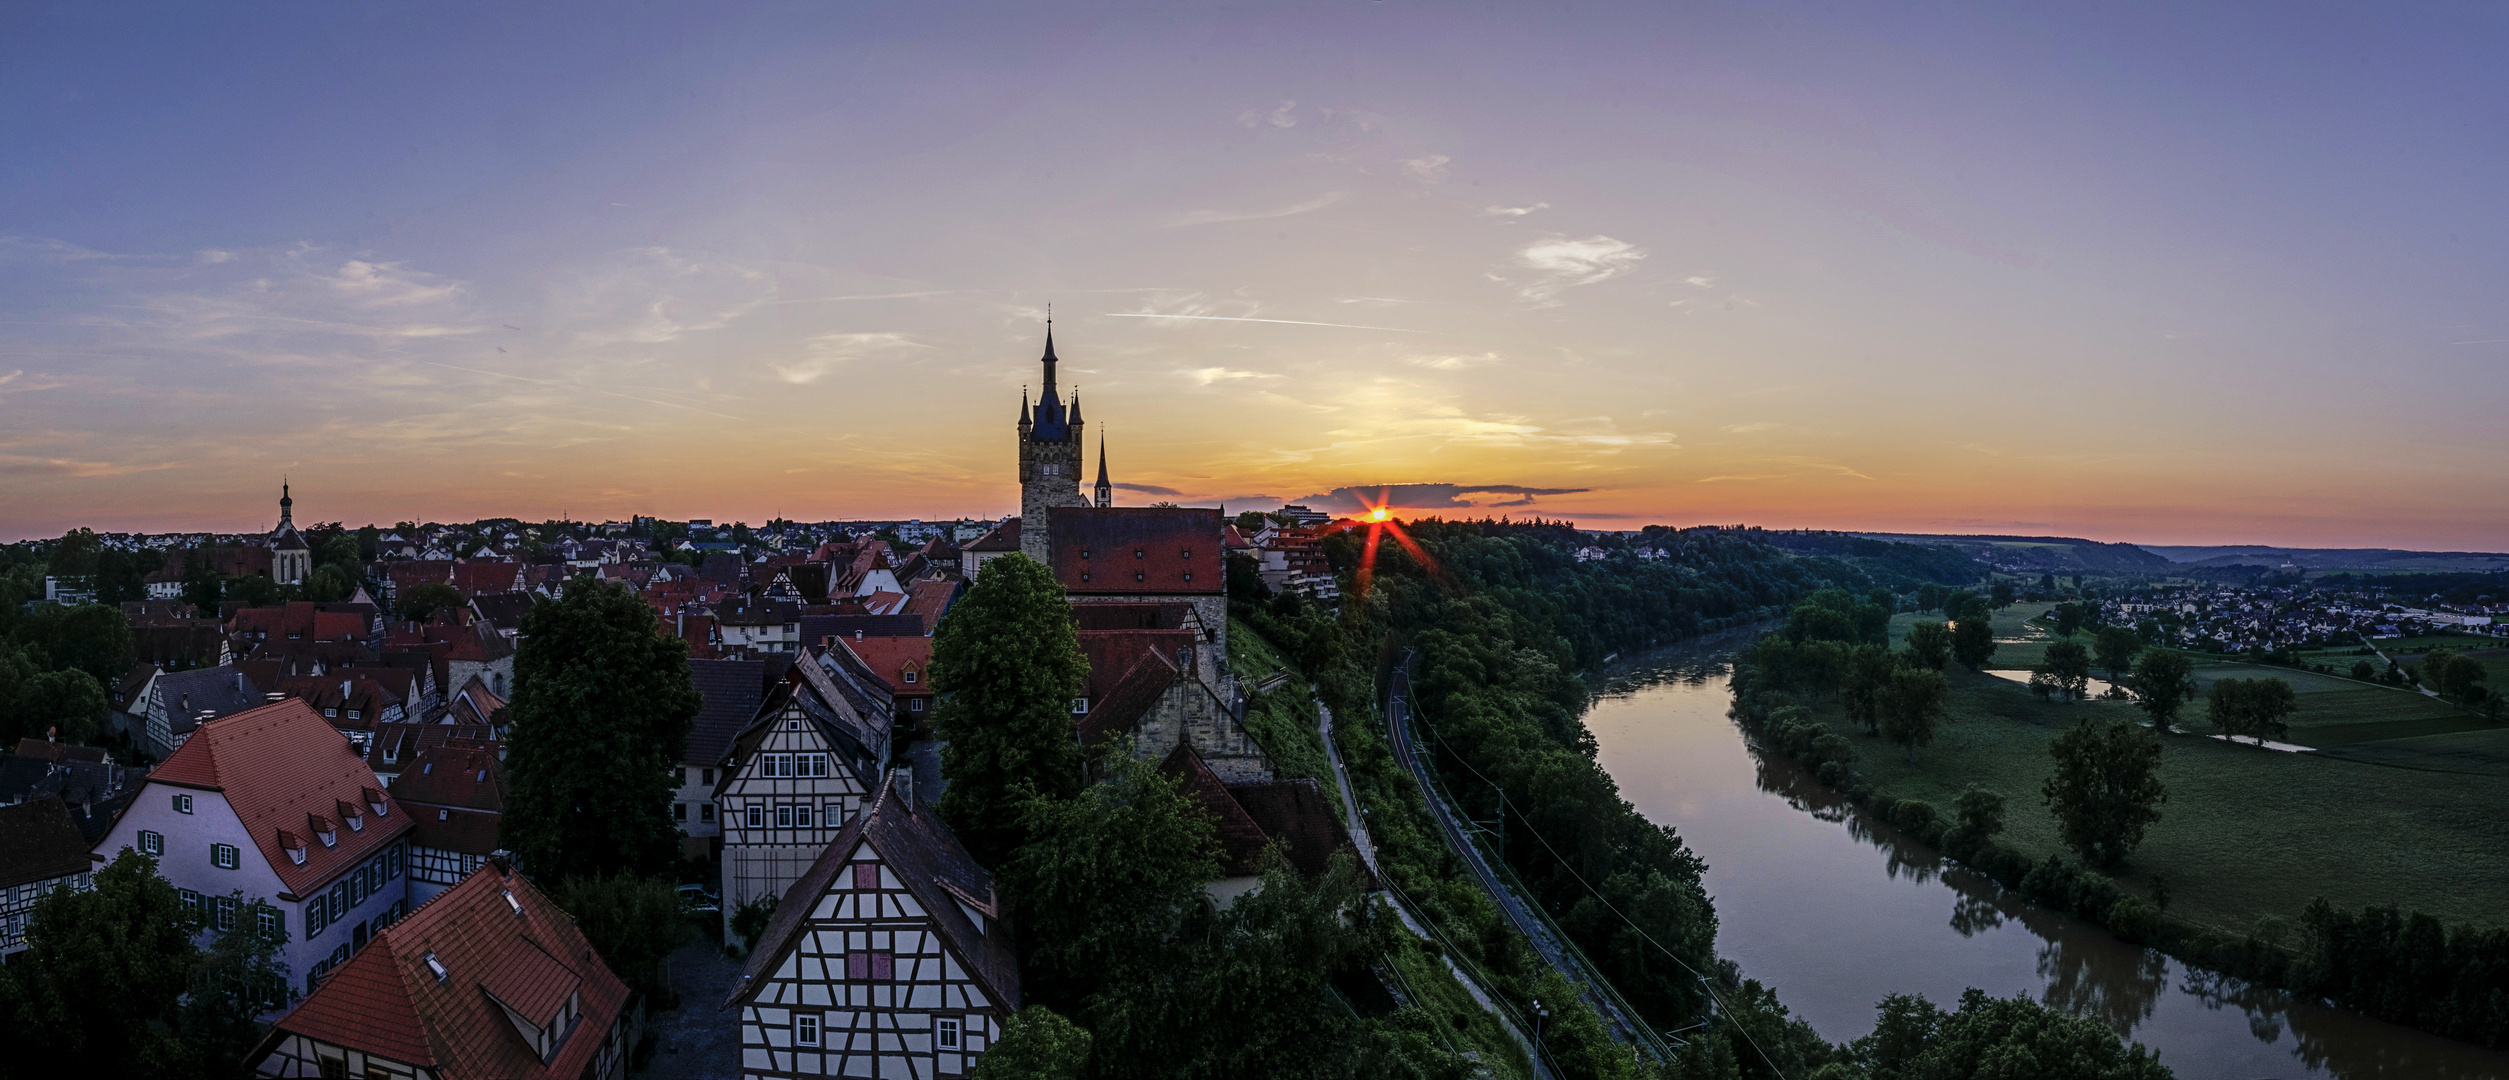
[(1106, 491)]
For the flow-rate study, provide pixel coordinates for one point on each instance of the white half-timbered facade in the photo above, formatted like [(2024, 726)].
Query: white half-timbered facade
[(888, 959), (791, 783)]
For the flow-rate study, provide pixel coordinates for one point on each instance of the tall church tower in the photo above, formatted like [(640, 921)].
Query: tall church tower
[(1049, 458), (291, 560)]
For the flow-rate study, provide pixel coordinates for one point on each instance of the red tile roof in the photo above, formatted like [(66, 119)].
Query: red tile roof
[(1138, 549), (1241, 840), (388, 1002), (276, 765), (482, 576), (1113, 653), (457, 776), (889, 658), (1004, 537)]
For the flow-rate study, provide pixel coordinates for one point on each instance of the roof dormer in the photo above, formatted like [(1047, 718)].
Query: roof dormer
[(323, 830), (294, 845), (353, 814), (374, 799)]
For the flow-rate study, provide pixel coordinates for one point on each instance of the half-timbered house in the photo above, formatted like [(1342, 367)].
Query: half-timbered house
[(889, 958), (792, 780), (489, 981), (455, 795)]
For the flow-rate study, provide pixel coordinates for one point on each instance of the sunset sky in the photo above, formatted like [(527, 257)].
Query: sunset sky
[(2171, 274)]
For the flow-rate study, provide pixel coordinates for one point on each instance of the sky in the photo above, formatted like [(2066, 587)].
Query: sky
[(2161, 273)]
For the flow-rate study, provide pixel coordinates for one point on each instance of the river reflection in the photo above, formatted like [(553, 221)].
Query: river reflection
[(1835, 909)]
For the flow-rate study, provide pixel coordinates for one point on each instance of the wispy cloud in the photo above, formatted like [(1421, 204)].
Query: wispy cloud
[(1245, 318), (827, 352), (1210, 375), (1452, 363), (1146, 489), (373, 285), (1214, 217), (1704, 281), (1563, 263), (1280, 116), (1746, 429), (1514, 211), (1430, 168)]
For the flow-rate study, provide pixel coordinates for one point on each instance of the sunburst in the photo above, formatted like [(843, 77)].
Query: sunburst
[(1381, 520)]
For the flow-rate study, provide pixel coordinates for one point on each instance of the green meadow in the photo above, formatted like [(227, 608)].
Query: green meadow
[(2407, 804)]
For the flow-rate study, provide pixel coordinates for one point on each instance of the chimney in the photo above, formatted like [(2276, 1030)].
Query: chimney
[(902, 781)]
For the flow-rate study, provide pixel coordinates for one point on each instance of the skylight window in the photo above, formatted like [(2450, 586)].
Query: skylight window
[(510, 901), (436, 967)]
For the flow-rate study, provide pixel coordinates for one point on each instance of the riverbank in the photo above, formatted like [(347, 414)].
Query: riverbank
[(1835, 908), (2247, 832)]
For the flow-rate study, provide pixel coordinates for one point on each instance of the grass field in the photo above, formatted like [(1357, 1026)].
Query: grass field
[(2421, 822)]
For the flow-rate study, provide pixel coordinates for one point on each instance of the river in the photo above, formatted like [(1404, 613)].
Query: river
[(1835, 911)]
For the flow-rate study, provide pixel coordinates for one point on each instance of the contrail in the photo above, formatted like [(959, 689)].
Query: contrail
[(1284, 322)]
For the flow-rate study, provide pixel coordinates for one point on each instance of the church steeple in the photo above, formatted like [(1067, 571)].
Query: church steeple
[(1106, 491), (287, 512)]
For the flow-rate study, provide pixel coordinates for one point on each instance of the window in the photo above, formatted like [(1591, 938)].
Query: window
[(266, 920), (915, 705), (225, 913), (750, 817), (444, 815), (1080, 705), (392, 862), (317, 916), (705, 811), (436, 967), (182, 804), (189, 899), (679, 811), (818, 764), (151, 843), (910, 676), (945, 1032), (709, 777), (806, 1031), (870, 966), (223, 856), (783, 815), (801, 816), (793, 724), (832, 815), (866, 875)]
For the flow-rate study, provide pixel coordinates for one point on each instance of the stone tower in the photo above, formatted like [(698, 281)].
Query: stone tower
[(1049, 458), (291, 559)]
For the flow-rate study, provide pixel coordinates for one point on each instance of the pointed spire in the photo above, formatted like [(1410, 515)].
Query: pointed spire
[(1106, 491), (1075, 405), (1023, 405)]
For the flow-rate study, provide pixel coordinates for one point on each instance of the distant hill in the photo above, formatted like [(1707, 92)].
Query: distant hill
[(2330, 558), (2043, 554)]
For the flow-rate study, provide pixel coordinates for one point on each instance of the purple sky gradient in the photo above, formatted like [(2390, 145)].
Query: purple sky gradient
[(2165, 273)]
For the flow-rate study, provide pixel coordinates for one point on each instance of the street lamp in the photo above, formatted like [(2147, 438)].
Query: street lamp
[(1539, 1014)]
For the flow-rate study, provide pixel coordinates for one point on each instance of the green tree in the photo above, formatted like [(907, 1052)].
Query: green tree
[(241, 976), (1107, 874), (2455, 677), (67, 700), (421, 601), (328, 585), (76, 555), (601, 712), (1037, 1044), (2068, 619), (89, 637), (1973, 642), (2001, 594), (1930, 596), (2067, 667), (2163, 680), (1929, 645), (633, 922), (1912, 707), (2106, 789), (253, 590), (2257, 708), (1007, 663), (94, 993), (2364, 671), (1981, 812), (341, 551), (1868, 671), (2114, 649), (1994, 1039)]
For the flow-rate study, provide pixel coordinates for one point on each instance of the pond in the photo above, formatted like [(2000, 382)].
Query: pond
[(1835, 911)]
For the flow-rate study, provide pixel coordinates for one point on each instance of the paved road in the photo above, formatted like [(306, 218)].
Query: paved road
[(1551, 949), (699, 1040)]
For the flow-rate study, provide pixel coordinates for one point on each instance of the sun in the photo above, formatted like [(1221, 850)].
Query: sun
[(1379, 514)]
